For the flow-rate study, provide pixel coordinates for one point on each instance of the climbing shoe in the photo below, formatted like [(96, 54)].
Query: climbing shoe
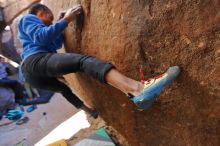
[(153, 87), (14, 114), (94, 114)]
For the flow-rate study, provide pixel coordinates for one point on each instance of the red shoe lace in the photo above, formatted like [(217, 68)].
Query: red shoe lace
[(144, 79)]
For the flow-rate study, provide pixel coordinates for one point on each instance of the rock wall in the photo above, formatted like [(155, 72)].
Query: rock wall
[(155, 34), (14, 8)]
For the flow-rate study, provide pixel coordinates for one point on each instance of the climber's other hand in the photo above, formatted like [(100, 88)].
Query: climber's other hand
[(72, 13), (61, 14)]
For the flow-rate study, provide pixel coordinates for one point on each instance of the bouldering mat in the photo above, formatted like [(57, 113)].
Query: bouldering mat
[(99, 138), (61, 142)]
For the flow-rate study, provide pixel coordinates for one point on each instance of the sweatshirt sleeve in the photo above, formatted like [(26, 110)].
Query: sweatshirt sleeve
[(40, 33), (59, 41)]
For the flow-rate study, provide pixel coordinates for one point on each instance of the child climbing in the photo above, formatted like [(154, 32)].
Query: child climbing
[(41, 64)]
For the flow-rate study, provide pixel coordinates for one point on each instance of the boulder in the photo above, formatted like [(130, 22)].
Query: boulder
[(155, 34)]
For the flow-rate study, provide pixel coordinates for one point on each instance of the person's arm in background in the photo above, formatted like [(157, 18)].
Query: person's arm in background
[(59, 41)]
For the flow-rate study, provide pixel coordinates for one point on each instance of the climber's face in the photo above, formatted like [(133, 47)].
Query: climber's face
[(46, 17)]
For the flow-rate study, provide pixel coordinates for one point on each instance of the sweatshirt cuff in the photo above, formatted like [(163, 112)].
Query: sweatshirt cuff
[(63, 22)]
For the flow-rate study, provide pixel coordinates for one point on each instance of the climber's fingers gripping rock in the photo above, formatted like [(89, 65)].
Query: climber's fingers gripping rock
[(61, 15), (72, 13)]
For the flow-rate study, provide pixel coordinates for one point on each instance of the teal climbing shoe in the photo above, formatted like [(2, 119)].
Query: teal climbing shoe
[(154, 86)]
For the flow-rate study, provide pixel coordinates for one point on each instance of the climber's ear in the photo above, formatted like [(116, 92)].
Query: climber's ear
[(40, 14), (46, 17)]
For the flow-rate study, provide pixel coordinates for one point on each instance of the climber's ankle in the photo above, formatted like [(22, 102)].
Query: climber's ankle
[(91, 111), (136, 90)]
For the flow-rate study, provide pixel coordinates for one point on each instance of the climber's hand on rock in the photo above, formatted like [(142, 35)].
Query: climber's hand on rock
[(72, 13), (61, 14)]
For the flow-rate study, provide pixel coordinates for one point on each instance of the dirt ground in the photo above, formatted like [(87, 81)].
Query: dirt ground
[(39, 125)]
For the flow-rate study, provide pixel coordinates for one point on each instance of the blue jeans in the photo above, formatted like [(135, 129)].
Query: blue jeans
[(41, 71)]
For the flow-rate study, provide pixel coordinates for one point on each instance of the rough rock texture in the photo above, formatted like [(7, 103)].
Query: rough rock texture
[(16, 7), (155, 34), (10, 9)]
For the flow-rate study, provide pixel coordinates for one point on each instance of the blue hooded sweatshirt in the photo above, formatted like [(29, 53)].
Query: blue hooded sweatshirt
[(36, 37)]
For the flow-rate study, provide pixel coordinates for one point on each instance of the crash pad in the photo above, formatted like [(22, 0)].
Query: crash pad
[(99, 138), (61, 142)]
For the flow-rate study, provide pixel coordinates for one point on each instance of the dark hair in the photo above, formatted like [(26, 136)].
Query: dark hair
[(38, 7)]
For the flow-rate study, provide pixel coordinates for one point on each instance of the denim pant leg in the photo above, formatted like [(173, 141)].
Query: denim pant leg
[(41, 70), (33, 70), (60, 64), (53, 84)]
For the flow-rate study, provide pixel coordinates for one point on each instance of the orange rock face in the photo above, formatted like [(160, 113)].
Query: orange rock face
[(155, 34)]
